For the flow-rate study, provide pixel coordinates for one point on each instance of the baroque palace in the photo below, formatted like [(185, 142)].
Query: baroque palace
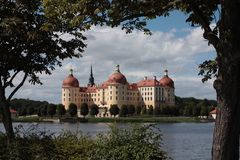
[(117, 90)]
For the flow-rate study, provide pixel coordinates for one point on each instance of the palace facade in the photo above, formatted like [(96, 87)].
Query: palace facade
[(117, 90)]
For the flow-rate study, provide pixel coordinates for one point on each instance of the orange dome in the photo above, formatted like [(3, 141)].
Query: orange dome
[(166, 81), (70, 81), (117, 77)]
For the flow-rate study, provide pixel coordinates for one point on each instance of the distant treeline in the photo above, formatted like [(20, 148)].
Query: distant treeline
[(28, 107), (184, 107)]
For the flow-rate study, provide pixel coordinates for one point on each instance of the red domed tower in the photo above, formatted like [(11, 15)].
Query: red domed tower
[(168, 95), (166, 81), (70, 80), (117, 77), (70, 90)]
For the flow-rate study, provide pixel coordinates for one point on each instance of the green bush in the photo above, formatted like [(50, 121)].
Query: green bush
[(134, 143)]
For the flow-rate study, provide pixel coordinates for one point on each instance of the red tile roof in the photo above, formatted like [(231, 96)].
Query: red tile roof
[(148, 83), (133, 86), (70, 81), (214, 111), (117, 77), (13, 111), (166, 81)]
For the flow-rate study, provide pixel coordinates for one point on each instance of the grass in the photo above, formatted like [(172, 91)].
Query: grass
[(135, 119), (27, 119), (146, 119)]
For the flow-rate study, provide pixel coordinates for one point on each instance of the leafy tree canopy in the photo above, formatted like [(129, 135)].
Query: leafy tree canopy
[(94, 109), (72, 109), (84, 109), (29, 45)]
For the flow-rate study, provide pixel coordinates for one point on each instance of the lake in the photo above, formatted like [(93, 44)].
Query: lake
[(182, 141)]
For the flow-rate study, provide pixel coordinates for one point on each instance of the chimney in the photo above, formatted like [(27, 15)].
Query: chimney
[(145, 77)]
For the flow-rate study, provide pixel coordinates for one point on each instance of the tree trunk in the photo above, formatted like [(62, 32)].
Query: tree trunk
[(226, 132), (7, 120), (227, 85)]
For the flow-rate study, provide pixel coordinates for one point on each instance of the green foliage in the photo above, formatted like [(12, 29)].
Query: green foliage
[(138, 110), (166, 110), (61, 110), (30, 110), (22, 111), (123, 110), (188, 110), (137, 143), (44, 110), (94, 110), (157, 111), (27, 106), (150, 110), (144, 110), (84, 109), (114, 110), (51, 109), (131, 109), (204, 110), (72, 109), (37, 49), (196, 110)]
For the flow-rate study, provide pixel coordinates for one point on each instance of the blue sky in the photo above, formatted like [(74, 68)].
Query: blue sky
[(174, 45)]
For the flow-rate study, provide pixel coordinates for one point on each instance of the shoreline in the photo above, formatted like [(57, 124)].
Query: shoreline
[(136, 119)]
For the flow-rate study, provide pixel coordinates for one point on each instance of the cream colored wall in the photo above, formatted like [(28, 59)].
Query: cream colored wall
[(120, 95), (169, 96), (148, 96), (70, 95)]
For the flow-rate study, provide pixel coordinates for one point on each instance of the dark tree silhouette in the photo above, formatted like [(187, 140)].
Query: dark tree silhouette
[(138, 109), (114, 110), (51, 109), (94, 110), (150, 110), (84, 109), (131, 109), (72, 109), (61, 110), (123, 110)]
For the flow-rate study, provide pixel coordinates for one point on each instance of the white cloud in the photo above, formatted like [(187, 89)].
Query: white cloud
[(139, 55)]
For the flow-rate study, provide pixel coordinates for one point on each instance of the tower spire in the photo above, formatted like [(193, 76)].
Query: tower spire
[(166, 72), (71, 71), (117, 68), (91, 78)]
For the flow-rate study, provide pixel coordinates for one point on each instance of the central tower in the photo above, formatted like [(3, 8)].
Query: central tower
[(91, 78)]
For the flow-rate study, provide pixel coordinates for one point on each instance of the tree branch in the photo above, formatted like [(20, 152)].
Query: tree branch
[(163, 10), (208, 32), (19, 86), (10, 81)]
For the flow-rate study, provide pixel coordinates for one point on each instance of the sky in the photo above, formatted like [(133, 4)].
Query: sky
[(174, 45)]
